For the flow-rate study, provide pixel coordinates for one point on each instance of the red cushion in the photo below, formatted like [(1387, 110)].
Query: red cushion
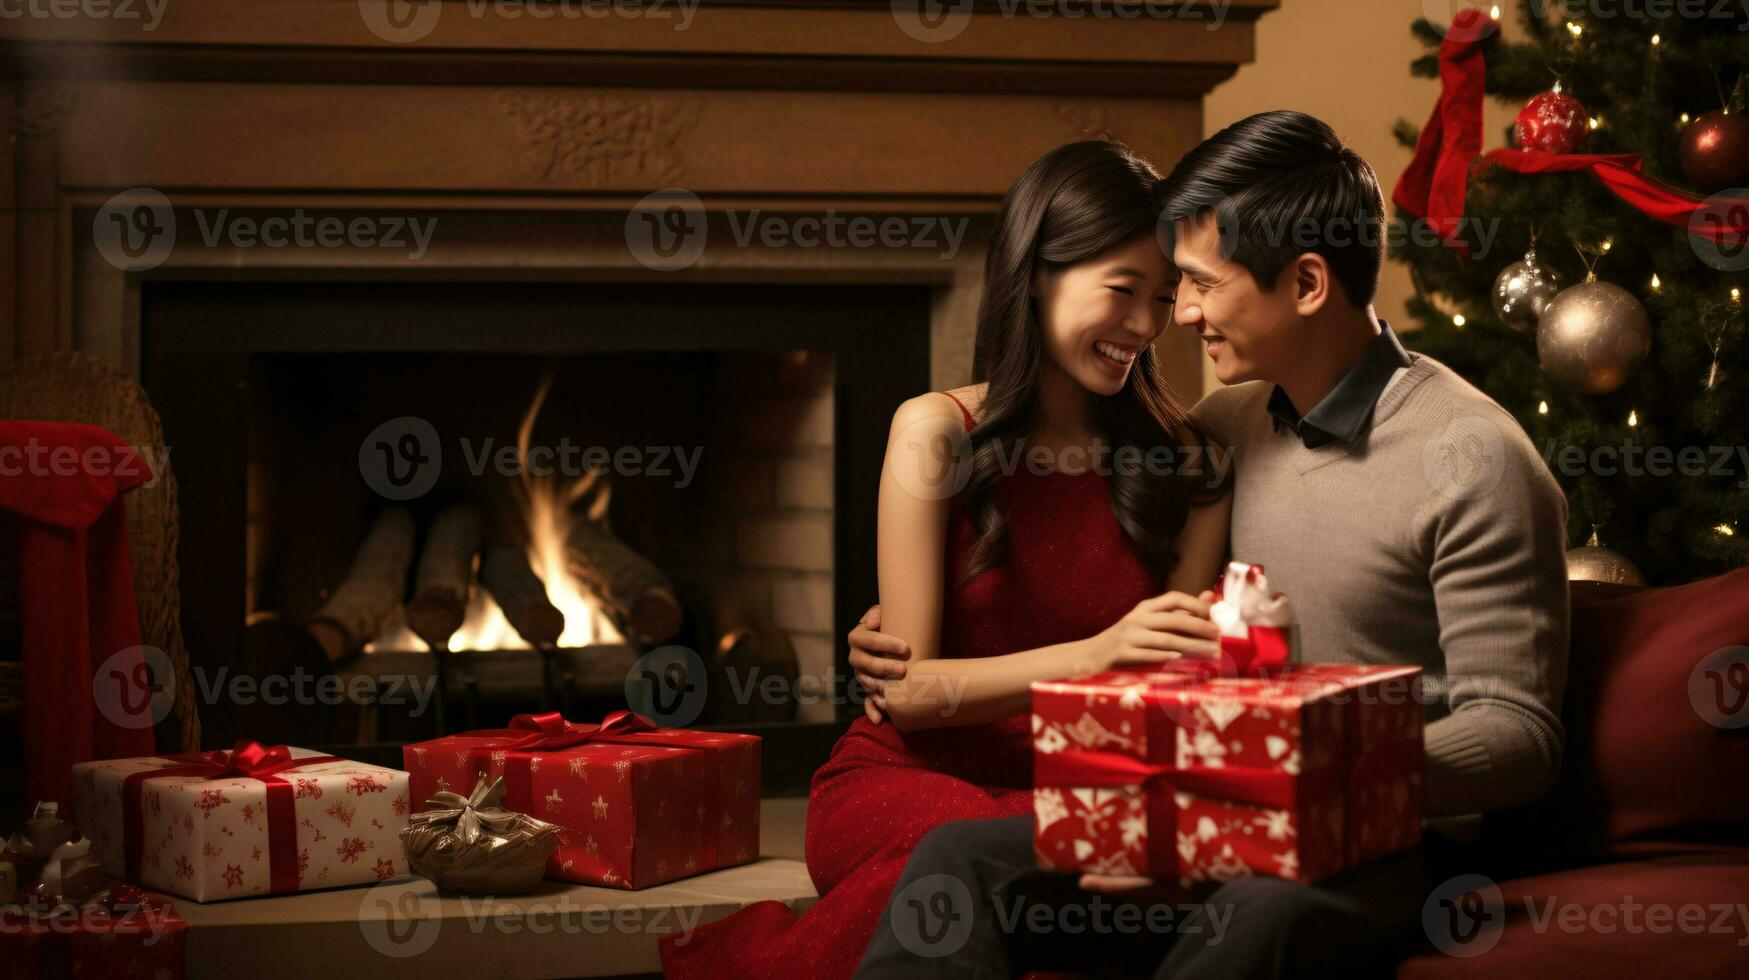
[(1643, 767), (1683, 916)]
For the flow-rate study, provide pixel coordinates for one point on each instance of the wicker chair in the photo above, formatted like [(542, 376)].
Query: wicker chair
[(74, 387)]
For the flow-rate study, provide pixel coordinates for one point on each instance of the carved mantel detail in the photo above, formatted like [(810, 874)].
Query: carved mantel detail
[(1086, 122), (41, 110), (600, 138)]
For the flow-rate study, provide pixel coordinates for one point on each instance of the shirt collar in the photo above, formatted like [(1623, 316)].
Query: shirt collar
[(1345, 411)]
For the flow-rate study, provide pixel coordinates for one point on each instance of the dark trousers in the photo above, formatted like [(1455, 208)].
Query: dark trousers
[(972, 902)]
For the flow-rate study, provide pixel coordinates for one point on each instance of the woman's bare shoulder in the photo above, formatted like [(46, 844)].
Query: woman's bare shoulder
[(971, 396), (941, 405)]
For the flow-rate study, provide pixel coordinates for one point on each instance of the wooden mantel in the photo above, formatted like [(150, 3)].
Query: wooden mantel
[(516, 128)]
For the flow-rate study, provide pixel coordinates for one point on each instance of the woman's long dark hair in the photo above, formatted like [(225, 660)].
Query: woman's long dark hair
[(1070, 205)]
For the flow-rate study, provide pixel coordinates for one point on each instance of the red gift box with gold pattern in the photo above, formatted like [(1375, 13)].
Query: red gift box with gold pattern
[(1298, 771), (639, 805)]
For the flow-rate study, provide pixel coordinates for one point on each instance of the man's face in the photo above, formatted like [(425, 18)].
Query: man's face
[(1250, 334)]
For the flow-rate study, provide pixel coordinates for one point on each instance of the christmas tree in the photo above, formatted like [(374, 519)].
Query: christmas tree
[(1669, 89)]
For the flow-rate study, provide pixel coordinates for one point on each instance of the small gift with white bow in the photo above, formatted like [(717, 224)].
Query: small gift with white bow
[(1257, 626)]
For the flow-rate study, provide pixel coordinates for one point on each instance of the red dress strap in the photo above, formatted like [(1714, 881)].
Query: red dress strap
[(963, 411)]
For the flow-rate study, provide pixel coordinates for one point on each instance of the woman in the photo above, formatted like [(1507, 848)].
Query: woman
[(1042, 554)]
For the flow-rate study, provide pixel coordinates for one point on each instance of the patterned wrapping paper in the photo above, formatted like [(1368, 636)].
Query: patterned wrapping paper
[(639, 805), (224, 835), (1179, 773)]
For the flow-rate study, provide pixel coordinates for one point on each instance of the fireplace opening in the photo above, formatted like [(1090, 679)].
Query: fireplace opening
[(517, 495)]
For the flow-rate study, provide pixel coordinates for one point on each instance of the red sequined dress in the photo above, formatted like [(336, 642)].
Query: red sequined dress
[(1070, 574)]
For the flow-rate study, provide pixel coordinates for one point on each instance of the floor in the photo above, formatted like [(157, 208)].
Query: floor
[(403, 928)]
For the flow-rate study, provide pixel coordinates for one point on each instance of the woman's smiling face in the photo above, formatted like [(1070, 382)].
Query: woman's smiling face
[(1097, 316)]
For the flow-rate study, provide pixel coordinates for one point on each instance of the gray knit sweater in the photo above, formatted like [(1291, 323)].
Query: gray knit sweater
[(1436, 539)]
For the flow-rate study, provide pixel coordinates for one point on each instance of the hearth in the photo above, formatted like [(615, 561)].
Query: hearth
[(500, 496)]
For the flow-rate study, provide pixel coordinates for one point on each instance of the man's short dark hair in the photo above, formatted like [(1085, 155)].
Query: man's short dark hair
[(1281, 184)]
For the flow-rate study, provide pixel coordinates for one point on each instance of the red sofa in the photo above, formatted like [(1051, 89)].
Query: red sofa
[(1637, 864)]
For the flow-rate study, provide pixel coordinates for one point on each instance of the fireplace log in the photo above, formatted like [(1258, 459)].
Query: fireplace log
[(504, 572), (446, 566), (372, 589), (636, 593)]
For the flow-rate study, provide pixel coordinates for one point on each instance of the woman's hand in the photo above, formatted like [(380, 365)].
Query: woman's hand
[(1162, 628)]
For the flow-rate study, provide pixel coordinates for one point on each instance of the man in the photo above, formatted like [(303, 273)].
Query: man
[(1405, 513)]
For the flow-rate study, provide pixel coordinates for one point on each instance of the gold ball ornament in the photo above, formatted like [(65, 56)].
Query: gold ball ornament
[(1523, 290), (1595, 563), (1591, 335)]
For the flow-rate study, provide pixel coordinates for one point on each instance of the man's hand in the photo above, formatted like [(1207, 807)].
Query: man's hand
[(876, 658), (1140, 891)]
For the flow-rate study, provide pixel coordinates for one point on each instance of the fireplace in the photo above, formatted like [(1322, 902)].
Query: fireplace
[(726, 438), (531, 148)]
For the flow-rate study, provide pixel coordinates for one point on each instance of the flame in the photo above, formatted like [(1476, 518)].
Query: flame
[(549, 509)]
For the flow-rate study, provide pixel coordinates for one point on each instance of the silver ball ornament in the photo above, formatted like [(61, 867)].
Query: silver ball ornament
[(1523, 290)]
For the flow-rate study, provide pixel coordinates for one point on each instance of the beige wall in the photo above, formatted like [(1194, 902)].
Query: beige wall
[(1346, 62)]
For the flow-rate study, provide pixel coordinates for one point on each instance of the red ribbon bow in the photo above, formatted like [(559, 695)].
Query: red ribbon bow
[(550, 730)]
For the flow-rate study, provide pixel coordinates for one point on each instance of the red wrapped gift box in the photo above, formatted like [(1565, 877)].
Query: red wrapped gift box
[(640, 805), (1178, 773), (145, 941)]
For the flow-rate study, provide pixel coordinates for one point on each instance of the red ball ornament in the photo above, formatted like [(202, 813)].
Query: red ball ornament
[(1715, 151), (1553, 122)]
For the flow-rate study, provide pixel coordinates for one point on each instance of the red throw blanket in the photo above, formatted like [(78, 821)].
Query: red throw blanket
[(63, 485)]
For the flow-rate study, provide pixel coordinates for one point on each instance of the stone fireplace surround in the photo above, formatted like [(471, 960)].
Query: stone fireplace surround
[(533, 141)]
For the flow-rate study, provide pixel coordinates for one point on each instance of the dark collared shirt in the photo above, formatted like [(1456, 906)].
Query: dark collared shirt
[(1347, 408)]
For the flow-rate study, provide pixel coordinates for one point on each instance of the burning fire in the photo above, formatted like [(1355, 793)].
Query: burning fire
[(549, 509)]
